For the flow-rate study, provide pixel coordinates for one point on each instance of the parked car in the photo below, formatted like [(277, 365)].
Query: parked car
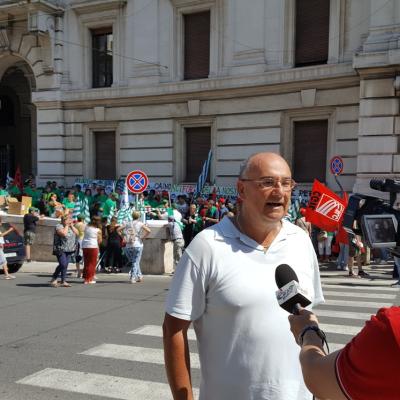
[(14, 249)]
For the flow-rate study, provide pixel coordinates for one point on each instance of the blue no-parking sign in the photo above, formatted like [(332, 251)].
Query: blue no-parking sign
[(336, 165), (137, 181)]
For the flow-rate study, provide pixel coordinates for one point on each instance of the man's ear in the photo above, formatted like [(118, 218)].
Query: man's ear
[(240, 189)]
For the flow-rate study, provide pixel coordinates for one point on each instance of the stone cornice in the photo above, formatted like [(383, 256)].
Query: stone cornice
[(276, 82), (22, 7), (379, 62), (69, 102), (86, 7)]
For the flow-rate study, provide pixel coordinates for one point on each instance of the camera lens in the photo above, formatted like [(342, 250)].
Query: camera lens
[(377, 184)]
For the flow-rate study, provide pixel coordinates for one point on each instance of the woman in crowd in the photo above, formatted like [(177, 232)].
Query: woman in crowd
[(135, 231), (69, 202), (3, 259), (64, 245), (90, 246), (193, 224), (324, 245), (113, 256), (54, 207)]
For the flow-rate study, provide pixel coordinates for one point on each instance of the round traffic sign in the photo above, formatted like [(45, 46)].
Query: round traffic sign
[(137, 181), (336, 165)]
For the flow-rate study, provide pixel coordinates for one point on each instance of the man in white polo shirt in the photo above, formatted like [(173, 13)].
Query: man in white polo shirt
[(225, 285)]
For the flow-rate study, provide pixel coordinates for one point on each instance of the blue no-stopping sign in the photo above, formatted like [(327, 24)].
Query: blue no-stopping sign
[(336, 165)]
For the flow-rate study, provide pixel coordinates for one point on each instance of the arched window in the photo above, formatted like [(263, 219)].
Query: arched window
[(7, 117)]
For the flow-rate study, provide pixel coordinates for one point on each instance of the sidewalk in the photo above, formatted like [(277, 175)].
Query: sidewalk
[(43, 267), (36, 267)]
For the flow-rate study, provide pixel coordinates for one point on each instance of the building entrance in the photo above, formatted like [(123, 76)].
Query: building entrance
[(17, 122)]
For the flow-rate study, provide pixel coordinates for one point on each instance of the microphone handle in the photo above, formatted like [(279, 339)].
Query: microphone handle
[(296, 309)]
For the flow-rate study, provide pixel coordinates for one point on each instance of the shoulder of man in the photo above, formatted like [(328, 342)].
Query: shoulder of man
[(292, 229)]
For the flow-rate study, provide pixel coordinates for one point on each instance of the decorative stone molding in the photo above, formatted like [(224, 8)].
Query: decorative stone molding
[(38, 44), (308, 97), (194, 107), (99, 113), (88, 7)]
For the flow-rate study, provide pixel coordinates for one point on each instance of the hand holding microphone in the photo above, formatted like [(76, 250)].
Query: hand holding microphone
[(301, 321), (292, 298)]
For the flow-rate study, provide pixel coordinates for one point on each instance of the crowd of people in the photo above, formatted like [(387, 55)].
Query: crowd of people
[(187, 215), (104, 243), (107, 245), (346, 250)]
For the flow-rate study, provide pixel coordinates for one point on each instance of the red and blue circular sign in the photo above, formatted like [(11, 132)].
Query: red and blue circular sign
[(137, 181), (336, 165)]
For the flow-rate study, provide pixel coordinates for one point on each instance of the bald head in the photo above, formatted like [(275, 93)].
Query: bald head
[(255, 163)]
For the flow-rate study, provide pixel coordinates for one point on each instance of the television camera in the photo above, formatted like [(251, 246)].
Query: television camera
[(375, 219)]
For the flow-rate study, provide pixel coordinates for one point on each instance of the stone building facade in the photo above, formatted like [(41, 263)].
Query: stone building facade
[(153, 115)]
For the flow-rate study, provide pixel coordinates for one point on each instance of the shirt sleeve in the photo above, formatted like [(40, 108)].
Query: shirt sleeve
[(187, 294), (318, 295), (368, 367)]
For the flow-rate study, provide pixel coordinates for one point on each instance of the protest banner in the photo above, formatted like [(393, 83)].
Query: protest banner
[(93, 184)]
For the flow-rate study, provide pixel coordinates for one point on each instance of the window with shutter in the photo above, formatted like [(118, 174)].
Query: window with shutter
[(105, 155), (197, 45), (310, 151), (102, 59), (198, 144), (312, 32)]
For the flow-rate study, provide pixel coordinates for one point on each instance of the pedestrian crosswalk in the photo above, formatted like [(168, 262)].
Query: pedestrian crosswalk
[(349, 303)]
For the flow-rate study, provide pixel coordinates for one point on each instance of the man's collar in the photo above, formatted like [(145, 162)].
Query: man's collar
[(227, 229)]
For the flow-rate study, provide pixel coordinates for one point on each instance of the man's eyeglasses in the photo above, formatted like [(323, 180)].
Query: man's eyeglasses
[(270, 182)]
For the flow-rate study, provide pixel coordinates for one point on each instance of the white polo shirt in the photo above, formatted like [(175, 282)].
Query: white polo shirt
[(225, 284)]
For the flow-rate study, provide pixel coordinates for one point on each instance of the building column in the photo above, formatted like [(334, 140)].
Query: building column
[(51, 156), (379, 119)]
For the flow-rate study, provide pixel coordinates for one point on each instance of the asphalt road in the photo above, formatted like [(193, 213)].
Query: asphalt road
[(44, 327), (104, 340)]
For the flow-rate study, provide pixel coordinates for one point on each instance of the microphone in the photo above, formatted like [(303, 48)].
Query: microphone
[(290, 295)]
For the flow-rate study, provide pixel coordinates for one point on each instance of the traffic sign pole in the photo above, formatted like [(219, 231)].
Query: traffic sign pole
[(336, 166)]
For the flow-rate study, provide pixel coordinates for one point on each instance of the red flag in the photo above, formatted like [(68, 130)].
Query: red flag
[(325, 209), (18, 178)]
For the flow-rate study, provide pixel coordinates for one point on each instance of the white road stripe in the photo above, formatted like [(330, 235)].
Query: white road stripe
[(342, 329), (358, 281), (360, 295), (351, 303), (343, 314), (111, 387), (156, 330), (361, 287), (133, 353)]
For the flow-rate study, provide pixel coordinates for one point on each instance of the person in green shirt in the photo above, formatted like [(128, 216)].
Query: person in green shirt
[(36, 194), (14, 190), (110, 205), (3, 191), (79, 195), (100, 198), (89, 197), (69, 202)]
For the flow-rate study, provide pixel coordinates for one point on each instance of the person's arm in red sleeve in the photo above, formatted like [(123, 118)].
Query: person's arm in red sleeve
[(317, 367), (366, 369)]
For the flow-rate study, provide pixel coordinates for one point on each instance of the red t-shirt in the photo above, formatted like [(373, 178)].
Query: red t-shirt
[(368, 368)]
